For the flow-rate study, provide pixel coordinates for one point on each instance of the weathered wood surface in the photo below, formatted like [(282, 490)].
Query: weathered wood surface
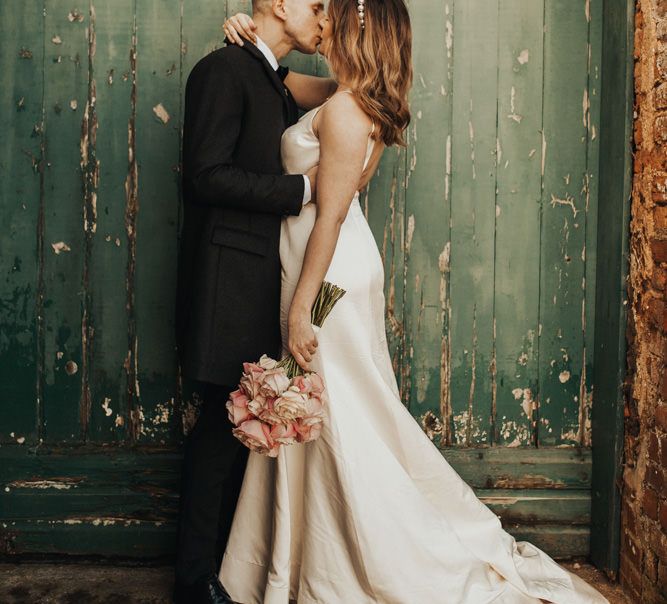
[(486, 225), (152, 539), (490, 228), (616, 155), (482, 221), (91, 164), (21, 244), (125, 502)]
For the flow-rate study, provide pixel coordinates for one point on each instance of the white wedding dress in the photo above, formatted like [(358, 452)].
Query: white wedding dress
[(370, 512)]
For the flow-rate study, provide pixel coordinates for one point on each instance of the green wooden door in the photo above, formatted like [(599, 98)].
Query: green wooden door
[(486, 223)]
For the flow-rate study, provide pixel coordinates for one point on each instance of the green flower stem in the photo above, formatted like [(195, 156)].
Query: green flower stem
[(326, 299)]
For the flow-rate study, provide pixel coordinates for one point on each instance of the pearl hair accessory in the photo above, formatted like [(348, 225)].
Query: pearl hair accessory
[(361, 9)]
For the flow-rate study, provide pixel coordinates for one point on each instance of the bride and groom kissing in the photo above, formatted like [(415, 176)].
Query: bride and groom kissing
[(370, 512)]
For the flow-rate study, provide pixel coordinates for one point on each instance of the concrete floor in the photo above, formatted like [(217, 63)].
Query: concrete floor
[(40, 583)]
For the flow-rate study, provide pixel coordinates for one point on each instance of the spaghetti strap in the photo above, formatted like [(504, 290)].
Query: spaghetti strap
[(316, 110)]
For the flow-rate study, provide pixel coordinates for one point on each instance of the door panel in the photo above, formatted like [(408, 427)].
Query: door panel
[(485, 222)]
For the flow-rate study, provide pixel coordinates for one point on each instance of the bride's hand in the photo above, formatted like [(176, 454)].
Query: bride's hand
[(240, 25), (302, 341)]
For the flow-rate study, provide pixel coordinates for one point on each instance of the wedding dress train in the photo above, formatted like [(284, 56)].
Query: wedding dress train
[(371, 512)]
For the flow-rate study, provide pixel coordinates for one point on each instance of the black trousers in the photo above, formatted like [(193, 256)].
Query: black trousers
[(214, 463)]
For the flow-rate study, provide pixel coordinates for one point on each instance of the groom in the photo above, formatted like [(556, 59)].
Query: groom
[(228, 298)]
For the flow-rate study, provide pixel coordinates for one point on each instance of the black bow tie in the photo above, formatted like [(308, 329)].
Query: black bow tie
[(282, 72)]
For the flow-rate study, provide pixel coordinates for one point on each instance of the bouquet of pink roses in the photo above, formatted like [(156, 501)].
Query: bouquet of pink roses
[(277, 403)]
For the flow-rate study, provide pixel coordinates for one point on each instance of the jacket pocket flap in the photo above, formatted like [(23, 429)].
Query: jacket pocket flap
[(241, 240)]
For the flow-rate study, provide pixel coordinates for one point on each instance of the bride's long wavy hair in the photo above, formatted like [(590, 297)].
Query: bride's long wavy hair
[(375, 61)]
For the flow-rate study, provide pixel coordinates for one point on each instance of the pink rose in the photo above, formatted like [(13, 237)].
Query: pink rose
[(291, 404), (286, 435), (314, 407), (308, 432), (266, 362), (317, 384), (303, 383), (256, 435), (251, 380), (269, 415), (257, 405), (274, 382), (252, 368), (237, 407)]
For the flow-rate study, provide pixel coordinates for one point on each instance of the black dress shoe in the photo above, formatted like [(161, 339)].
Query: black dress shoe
[(207, 590)]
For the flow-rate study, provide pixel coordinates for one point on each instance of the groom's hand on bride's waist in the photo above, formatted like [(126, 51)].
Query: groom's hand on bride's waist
[(311, 175)]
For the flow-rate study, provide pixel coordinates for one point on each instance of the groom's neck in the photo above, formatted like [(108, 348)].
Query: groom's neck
[(272, 32)]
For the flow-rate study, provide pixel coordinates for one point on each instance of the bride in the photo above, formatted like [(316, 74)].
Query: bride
[(370, 512)]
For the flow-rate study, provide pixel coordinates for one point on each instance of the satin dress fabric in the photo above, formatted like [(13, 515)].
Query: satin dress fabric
[(370, 512)]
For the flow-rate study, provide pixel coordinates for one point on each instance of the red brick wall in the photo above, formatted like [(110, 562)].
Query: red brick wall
[(644, 513)]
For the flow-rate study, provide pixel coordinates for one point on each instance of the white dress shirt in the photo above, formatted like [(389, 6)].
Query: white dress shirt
[(271, 58)]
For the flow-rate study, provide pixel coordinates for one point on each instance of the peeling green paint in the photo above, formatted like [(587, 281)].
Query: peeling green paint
[(485, 222)]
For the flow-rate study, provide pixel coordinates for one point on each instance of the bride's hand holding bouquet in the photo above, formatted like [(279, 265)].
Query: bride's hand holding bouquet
[(302, 342), (280, 403)]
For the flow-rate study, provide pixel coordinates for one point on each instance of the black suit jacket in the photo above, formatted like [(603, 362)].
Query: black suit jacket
[(234, 197)]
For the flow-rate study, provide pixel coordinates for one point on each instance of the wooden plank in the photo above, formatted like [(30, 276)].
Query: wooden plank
[(611, 270), (153, 253), (473, 220), (106, 465), (427, 207), (69, 117), (21, 246), (107, 285), (383, 203), (518, 219), (95, 536), (57, 499), (592, 196), (138, 538), (89, 484), (543, 506), (484, 468), (563, 398), (148, 539), (522, 468)]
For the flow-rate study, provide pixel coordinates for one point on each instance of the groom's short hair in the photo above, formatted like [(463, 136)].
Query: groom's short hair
[(260, 6)]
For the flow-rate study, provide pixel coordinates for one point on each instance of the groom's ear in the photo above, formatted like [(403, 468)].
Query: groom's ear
[(279, 9)]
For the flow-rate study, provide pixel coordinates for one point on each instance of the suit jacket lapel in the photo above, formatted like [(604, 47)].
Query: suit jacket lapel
[(273, 75), (291, 103)]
